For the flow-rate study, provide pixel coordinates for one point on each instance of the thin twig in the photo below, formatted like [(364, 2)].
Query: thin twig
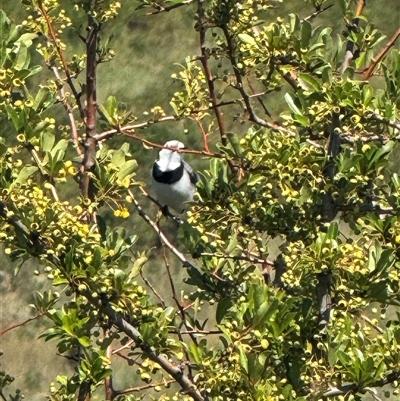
[(124, 131), (372, 324), (161, 9), (349, 54), (181, 311), (173, 370), (126, 346), (153, 290), (14, 326), (319, 11), (369, 71), (207, 71), (246, 258), (108, 381), (144, 387), (204, 135), (62, 59), (68, 108)]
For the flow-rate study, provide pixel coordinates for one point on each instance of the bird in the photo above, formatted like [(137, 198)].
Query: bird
[(173, 180)]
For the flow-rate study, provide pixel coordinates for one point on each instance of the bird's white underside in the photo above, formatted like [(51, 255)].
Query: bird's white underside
[(175, 195)]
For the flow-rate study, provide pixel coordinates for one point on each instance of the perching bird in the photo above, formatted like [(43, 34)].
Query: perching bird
[(173, 179)]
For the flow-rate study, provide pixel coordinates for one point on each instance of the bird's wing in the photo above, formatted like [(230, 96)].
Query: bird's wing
[(194, 178)]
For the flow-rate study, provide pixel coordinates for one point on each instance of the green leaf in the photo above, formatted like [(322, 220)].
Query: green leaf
[(24, 175), (245, 38), (292, 106), (306, 30), (223, 306), (196, 353), (127, 169), (344, 358), (244, 362), (264, 312), (84, 341)]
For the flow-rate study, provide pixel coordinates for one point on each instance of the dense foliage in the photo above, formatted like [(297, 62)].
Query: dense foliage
[(292, 245)]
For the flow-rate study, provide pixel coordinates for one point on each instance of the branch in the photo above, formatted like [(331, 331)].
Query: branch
[(68, 108), (108, 381), (319, 10), (393, 124), (372, 324), (141, 388), (62, 58), (154, 291), (369, 71), (353, 387), (185, 263), (349, 54), (181, 311), (248, 258), (123, 130), (161, 9), (207, 71), (175, 371), (246, 97), (14, 326)]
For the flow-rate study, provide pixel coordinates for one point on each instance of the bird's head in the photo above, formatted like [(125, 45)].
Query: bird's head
[(169, 159)]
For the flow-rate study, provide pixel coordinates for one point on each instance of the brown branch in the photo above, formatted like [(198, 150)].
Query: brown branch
[(62, 58), (353, 387), (319, 10), (123, 130), (181, 311), (144, 387), (153, 290), (372, 324), (204, 135), (161, 9), (207, 71), (91, 65), (90, 143), (14, 326), (200, 332), (108, 381), (173, 370), (369, 71), (68, 108), (349, 54), (247, 258)]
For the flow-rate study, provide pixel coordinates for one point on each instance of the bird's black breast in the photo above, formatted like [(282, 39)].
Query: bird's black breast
[(167, 177)]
